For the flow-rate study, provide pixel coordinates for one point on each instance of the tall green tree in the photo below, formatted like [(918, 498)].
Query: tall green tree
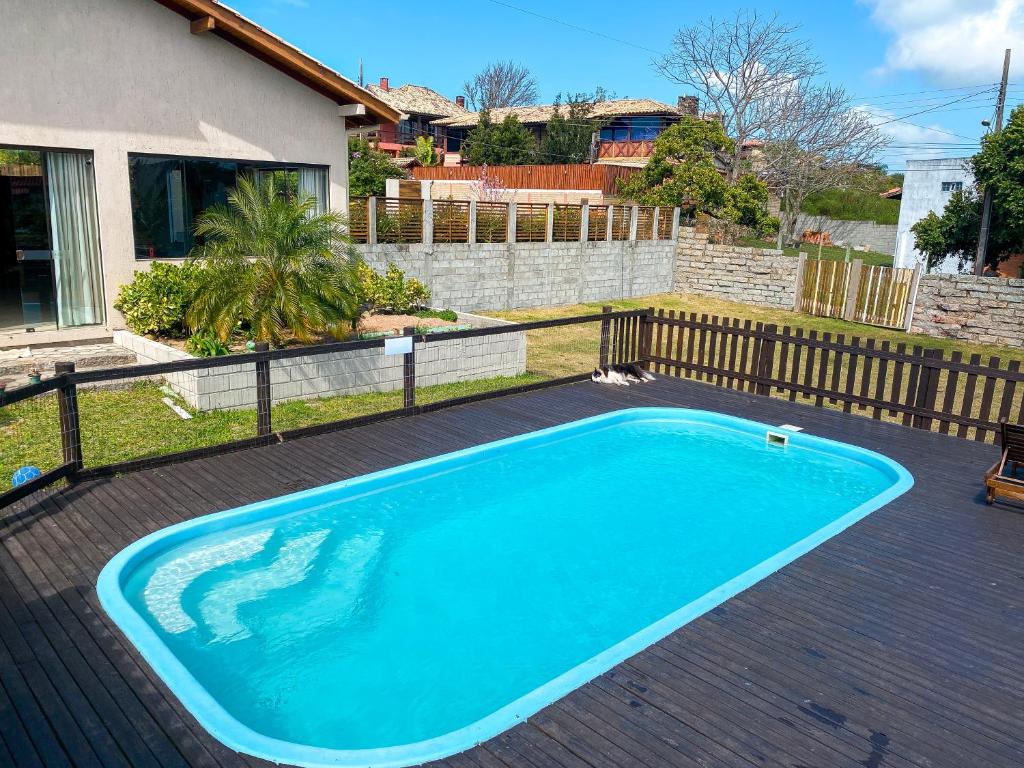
[(684, 172), (506, 143), (569, 134), (999, 167), (369, 169), (273, 264)]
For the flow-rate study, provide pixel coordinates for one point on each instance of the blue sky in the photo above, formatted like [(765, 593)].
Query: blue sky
[(894, 56)]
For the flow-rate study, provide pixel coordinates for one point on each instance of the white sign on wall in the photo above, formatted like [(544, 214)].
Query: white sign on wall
[(398, 345)]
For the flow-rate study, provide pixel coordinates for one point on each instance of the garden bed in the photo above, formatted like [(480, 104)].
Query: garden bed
[(341, 373)]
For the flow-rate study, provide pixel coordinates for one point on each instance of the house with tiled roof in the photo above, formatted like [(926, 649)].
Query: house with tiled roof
[(626, 136), (420, 106)]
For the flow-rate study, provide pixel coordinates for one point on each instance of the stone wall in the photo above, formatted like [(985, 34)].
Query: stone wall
[(760, 276), (350, 372), (880, 238), (983, 310), (496, 276)]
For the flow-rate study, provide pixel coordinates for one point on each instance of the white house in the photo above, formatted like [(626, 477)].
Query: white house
[(120, 120), (927, 187)]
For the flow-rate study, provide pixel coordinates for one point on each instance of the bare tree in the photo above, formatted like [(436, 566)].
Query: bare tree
[(734, 65), (814, 140), (501, 84)]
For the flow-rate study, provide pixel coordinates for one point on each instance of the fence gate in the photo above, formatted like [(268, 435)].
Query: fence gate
[(874, 295)]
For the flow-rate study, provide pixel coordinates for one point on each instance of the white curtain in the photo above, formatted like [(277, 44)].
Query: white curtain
[(313, 181), (74, 230)]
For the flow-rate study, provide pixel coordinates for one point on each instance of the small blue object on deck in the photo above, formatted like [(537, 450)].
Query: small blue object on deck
[(24, 475)]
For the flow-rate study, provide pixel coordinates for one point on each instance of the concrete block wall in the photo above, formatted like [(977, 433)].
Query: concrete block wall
[(760, 276), (342, 373), (880, 238), (497, 276), (975, 309)]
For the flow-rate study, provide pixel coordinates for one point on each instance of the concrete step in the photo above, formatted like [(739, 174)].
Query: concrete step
[(15, 364)]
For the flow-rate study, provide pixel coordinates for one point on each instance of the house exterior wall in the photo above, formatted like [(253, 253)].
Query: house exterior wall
[(121, 76), (922, 193)]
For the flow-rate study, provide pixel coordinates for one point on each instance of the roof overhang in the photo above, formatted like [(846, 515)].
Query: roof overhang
[(210, 17)]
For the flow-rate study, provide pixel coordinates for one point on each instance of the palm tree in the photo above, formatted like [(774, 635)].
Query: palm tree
[(274, 263)]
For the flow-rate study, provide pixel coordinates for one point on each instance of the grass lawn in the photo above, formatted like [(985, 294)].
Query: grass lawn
[(829, 252), (133, 422)]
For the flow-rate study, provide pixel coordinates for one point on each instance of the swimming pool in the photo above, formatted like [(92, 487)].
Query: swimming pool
[(406, 615)]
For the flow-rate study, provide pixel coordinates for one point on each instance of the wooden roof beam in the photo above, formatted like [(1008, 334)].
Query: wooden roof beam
[(203, 25)]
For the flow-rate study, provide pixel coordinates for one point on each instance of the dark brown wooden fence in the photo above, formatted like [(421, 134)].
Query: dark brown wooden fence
[(915, 386)]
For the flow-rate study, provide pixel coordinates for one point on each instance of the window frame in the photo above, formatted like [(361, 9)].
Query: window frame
[(269, 165)]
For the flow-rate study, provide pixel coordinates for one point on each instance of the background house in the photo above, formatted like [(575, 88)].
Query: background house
[(419, 106), (124, 119), (927, 187), (626, 136)]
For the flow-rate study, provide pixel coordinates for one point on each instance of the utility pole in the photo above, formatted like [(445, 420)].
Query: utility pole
[(986, 211)]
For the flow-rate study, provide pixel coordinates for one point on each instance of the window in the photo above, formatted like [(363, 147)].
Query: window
[(632, 129), (952, 186), (169, 192)]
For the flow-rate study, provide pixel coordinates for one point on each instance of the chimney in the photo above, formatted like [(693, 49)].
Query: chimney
[(461, 101), (688, 105), (384, 84)]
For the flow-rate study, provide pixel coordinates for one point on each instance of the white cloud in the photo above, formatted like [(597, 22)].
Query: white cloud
[(957, 42)]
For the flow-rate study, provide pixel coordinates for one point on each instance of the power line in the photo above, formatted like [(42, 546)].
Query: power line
[(577, 27)]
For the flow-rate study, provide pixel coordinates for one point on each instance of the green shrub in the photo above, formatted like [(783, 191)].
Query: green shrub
[(206, 345), (448, 315), (391, 292), (155, 301)]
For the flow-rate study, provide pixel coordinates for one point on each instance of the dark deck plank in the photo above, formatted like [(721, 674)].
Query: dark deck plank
[(893, 644)]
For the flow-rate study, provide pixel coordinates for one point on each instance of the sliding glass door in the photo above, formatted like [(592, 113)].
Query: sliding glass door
[(50, 268)]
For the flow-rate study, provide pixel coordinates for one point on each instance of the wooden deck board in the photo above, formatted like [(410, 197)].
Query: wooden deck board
[(893, 644)]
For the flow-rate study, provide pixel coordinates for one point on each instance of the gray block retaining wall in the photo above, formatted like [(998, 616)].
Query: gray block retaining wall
[(761, 276), (496, 276), (345, 373), (880, 238)]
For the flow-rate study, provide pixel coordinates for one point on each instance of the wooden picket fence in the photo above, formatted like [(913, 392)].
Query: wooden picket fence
[(874, 295), (914, 386)]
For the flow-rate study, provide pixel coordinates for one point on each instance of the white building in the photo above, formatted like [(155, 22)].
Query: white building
[(927, 187), (121, 120)]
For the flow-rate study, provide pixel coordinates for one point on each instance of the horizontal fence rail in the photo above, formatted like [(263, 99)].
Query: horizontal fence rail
[(606, 337), (914, 386), (412, 220)]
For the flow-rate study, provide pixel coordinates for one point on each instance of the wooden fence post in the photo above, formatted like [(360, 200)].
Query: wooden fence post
[(646, 337), (766, 361), (801, 272), (409, 370), (927, 387), (263, 400), (70, 430), (371, 221), (606, 331), (850, 308), (915, 284)]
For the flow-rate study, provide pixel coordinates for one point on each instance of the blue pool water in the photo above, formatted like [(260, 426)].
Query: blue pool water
[(406, 615)]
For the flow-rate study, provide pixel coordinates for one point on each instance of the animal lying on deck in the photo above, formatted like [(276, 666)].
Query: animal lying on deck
[(621, 375)]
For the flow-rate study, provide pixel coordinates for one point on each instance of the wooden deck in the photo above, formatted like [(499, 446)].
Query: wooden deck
[(895, 644)]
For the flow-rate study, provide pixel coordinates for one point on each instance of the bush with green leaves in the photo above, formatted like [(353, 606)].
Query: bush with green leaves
[(448, 315), (369, 169), (206, 345), (156, 300), (275, 265), (392, 292)]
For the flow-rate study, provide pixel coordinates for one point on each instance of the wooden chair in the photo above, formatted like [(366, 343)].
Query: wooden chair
[(1002, 479)]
